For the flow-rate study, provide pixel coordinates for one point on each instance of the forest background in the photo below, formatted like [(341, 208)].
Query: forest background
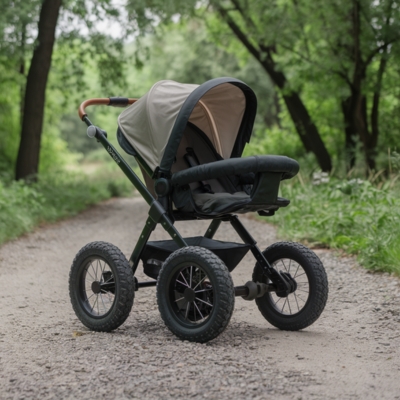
[(326, 76)]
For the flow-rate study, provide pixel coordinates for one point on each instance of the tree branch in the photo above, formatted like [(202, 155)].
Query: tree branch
[(239, 33)]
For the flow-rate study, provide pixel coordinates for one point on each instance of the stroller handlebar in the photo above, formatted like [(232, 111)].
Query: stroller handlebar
[(107, 101)]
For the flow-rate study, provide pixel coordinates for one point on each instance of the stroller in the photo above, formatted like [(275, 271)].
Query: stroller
[(188, 140)]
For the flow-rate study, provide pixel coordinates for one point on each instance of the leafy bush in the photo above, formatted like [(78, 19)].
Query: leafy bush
[(352, 215)]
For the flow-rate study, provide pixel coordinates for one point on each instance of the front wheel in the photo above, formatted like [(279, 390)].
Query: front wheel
[(302, 307), (195, 294), (101, 286)]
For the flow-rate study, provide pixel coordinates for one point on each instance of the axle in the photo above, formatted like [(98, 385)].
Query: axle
[(249, 291)]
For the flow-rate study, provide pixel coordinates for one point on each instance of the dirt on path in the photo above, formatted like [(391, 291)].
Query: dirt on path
[(351, 352)]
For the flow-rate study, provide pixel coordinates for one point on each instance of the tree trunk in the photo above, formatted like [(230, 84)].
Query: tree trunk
[(350, 134), (354, 108), (307, 130), (305, 127), (22, 72), (29, 149)]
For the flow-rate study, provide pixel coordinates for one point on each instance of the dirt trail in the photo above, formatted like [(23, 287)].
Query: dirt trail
[(351, 352)]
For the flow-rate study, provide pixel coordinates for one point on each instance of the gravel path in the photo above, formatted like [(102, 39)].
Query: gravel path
[(351, 352)]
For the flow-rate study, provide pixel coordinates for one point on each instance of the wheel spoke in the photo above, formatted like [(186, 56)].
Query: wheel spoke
[(87, 271), (184, 284), (110, 297), (102, 271), (204, 302), (295, 297), (201, 281), (302, 283), (302, 290), (299, 296), (288, 302), (201, 315), (279, 299), (94, 304), (97, 268), (284, 304), (203, 290), (179, 299), (187, 310), (87, 298), (194, 312), (111, 278), (184, 279), (295, 274), (105, 308), (284, 265), (191, 276)]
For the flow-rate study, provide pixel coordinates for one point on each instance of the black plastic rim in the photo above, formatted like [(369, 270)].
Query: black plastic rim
[(191, 295)]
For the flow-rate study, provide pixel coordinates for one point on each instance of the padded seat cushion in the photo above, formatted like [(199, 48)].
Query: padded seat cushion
[(240, 202), (218, 203)]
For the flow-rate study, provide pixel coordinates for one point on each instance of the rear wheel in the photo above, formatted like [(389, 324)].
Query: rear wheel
[(101, 286), (195, 294), (304, 305)]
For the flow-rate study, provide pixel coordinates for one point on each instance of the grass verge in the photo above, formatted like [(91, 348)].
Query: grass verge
[(55, 196), (353, 215)]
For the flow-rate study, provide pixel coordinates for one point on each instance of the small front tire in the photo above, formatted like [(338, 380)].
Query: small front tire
[(101, 286), (195, 294)]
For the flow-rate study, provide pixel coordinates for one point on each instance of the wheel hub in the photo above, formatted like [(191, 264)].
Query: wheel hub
[(189, 295), (291, 285), (96, 287)]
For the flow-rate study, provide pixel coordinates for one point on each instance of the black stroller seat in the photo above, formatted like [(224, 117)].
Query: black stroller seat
[(207, 184)]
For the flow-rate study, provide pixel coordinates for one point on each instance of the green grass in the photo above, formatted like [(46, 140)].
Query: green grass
[(55, 196), (353, 215)]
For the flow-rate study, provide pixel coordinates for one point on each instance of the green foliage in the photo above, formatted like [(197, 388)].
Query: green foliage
[(279, 141), (54, 196), (352, 215)]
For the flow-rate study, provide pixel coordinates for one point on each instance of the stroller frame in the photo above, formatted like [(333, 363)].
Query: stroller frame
[(114, 276), (160, 215)]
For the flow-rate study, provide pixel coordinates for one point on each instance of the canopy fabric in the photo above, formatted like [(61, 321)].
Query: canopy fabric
[(217, 107)]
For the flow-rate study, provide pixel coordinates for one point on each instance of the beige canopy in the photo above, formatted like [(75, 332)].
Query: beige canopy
[(154, 124)]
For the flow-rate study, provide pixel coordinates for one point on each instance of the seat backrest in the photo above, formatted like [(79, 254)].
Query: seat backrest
[(205, 152)]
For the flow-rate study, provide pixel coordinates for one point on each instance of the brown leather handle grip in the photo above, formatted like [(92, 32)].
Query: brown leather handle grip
[(101, 101)]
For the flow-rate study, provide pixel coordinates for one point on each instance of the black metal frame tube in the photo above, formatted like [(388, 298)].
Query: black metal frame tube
[(272, 274), (157, 213), (212, 229)]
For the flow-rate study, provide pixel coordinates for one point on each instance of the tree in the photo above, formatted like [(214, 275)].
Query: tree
[(247, 21), (346, 45), (34, 98), (373, 29), (18, 22)]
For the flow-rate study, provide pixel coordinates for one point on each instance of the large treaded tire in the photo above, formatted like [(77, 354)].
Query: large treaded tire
[(95, 264), (215, 280), (317, 283)]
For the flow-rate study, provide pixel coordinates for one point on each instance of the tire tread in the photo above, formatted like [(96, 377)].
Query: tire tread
[(122, 309), (312, 312), (224, 286)]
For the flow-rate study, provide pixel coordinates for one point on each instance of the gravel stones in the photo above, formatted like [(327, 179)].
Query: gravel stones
[(352, 351)]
